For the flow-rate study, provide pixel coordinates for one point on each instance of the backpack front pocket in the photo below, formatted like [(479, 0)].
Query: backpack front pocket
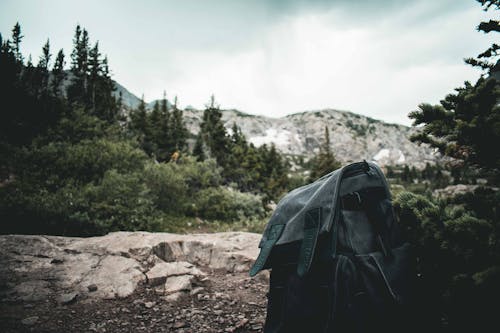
[(388, 280), (300, 304)]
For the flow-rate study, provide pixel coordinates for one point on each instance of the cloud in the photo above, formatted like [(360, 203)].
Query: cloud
[(310, 61), (378, 58)]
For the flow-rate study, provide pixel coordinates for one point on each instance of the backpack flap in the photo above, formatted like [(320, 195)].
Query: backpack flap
[(308, 212)]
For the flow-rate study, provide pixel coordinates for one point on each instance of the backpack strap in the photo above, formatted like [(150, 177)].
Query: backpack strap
[(375, 212), (312, 225), (370, 201), (272, 237)]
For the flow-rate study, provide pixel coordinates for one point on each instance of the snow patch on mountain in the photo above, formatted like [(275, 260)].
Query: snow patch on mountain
[(280, 138), (383, 153), (352, 137)]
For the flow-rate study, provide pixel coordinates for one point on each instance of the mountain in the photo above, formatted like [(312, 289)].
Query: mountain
[(128, 99), (353, 137)]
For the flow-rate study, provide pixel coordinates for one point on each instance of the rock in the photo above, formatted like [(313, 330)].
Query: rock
[(196, 291), (241, 323), (30, 321), (92, 287), (159, 273), (117, 276), (180, 324), (31, 290), (67, 298), (37, 267), (454, 190), (175, 297), (178, 283), (149, 305)]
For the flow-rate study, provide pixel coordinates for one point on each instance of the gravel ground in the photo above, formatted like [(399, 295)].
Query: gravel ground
[(226, 302)]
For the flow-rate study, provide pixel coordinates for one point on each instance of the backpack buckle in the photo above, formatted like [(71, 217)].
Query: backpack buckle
[(358, 196)]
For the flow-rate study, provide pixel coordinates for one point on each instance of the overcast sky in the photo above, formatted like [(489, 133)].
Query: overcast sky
[(275, 57)]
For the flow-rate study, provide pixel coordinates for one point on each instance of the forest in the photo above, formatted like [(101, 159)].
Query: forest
[(77, 162)]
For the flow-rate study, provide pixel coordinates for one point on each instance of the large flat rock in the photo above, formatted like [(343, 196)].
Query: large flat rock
[(33, 268)]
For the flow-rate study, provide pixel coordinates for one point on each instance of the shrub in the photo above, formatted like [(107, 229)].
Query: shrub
[(167, 186), (457, 259), (226, 204)]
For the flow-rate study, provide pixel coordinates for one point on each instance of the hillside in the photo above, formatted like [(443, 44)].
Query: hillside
[(353, 137)]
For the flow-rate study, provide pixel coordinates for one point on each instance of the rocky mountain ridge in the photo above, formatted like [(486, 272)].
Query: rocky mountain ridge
[(353, 137)]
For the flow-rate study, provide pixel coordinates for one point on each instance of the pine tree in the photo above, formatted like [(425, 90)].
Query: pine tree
[(16, 42), (164, 140), (488, 60), (155, 123), (214, 133), (94, 69), (466, 124), (43, 69), (179, 132), (77, 90), (139, 119), (275, 173), (198, 150), (237, 168), (44, 61), (58, 74), (325, 162), (109, 106)]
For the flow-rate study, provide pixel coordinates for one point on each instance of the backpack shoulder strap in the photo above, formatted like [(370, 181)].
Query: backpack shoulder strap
[(273, 235), (312, 225)]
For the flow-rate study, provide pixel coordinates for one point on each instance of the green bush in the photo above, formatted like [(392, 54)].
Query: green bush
[(118, 202), (198, 175), (168, 187), (227, 204), (85, 161), (457, 258)]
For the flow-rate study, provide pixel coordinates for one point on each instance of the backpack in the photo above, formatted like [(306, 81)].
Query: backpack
[(338, 261)]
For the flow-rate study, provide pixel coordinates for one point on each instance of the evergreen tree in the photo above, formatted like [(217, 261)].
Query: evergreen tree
[(94, 77), (58, 73), (16, 42), (214, 133), (139, 125), (488, 60), (179, 132), (43, 70), (108, 105), (198, 150), (43, 63), (77, 90), (274, 172), (406, 174), (466, 124), (155, 121), (237, 170), (164, 139), (325, 162)]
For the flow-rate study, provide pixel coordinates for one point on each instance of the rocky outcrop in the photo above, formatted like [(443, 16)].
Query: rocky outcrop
[(34, 268), (353, 137), (459, 189)]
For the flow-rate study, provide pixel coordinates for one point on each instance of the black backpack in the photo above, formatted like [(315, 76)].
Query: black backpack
[(338, 262)]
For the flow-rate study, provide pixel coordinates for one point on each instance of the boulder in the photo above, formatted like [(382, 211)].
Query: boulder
[(35, 268), (159, 273), (178, 283)]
